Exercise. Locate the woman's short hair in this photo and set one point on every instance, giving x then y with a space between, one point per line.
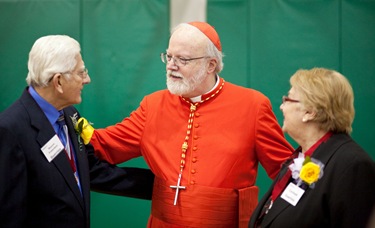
50 55
329 94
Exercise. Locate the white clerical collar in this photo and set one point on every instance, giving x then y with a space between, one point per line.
199 98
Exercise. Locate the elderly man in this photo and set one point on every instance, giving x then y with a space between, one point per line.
45 170
203 137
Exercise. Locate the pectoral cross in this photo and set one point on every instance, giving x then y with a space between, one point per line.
177 187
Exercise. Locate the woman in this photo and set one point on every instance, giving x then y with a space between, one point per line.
329 181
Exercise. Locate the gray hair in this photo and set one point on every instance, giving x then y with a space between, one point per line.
50 55
212 51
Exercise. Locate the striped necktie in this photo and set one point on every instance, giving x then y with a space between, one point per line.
64 137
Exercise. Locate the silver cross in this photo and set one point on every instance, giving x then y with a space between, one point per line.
177 187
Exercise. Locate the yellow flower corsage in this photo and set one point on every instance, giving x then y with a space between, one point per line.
306 170
310 173
84 129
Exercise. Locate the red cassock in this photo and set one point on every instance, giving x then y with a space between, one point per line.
226 135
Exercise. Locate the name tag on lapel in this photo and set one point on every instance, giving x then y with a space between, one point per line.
52 148
292 194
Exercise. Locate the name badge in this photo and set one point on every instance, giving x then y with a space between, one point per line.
52 148
292 194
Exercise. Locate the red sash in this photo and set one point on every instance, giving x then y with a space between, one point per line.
200 206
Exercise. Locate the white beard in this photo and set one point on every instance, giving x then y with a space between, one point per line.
186 85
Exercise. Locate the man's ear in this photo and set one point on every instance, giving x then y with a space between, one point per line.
212 66
57 81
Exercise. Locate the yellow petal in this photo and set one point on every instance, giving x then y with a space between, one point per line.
86 131
310 172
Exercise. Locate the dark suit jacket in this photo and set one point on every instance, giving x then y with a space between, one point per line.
343 197
38 193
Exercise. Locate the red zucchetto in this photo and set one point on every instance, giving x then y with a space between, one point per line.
209 31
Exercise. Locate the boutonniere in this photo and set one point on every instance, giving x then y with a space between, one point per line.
83 129
74 120
306 170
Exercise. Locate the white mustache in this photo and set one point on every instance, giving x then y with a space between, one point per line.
174 74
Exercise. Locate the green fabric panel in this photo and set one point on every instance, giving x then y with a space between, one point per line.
358 65
279 37
229 18
122 41
21 23
286 36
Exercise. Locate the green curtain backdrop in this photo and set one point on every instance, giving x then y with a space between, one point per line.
264 42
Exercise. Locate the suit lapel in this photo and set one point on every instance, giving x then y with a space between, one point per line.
323 153
279 205
80 155
326 150
45 132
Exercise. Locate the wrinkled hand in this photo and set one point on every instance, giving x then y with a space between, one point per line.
84 128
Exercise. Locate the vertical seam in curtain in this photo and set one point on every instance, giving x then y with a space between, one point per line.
80 22
80 38
340 35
